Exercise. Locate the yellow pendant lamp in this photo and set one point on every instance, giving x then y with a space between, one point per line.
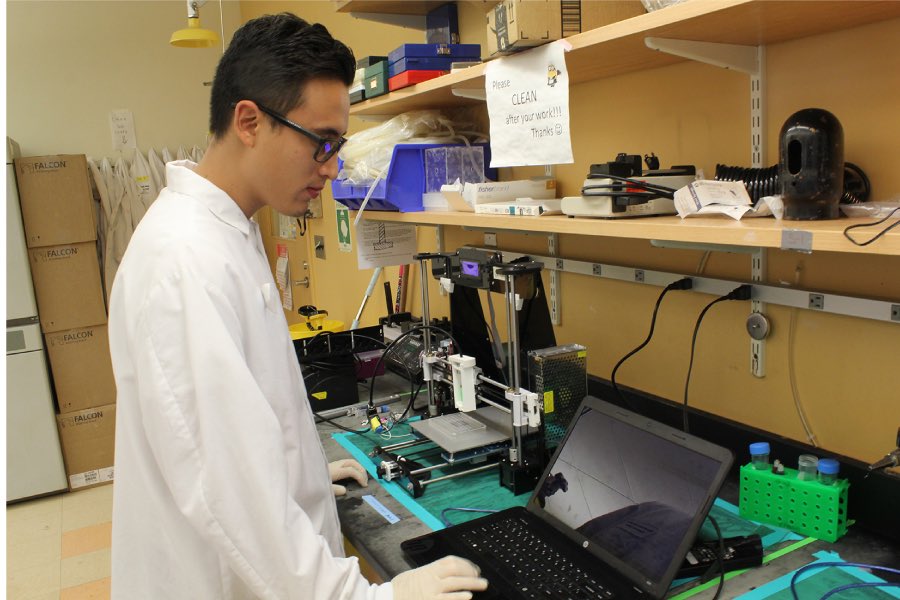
194 36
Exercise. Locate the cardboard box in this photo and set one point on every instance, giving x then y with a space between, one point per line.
514 25
82 369
88 439
376 80
57 205
67 286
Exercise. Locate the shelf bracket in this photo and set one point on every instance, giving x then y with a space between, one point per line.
439 248
747 59
555 303
758 264
728 56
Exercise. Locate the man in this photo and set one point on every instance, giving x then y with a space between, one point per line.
222 487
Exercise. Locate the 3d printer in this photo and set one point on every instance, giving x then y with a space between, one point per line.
479 415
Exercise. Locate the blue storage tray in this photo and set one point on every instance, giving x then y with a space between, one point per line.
402 188
420 63
454 51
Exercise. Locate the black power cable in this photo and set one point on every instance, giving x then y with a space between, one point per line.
394 343
741 292
681 284
880 233
627 186
721 556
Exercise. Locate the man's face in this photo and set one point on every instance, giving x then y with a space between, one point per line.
292 177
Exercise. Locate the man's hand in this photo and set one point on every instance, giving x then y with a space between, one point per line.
449 578
347 469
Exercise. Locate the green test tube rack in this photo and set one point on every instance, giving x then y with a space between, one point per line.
806 507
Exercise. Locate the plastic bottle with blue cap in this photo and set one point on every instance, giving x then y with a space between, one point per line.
759 455
828 470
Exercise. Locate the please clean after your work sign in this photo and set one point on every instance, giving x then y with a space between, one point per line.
528 106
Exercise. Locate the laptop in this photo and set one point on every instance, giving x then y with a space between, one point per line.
613 515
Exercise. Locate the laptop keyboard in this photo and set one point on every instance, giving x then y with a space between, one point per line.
531 565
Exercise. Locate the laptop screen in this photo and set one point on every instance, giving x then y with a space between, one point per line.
633 488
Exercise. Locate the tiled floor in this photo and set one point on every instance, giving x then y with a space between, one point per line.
58 547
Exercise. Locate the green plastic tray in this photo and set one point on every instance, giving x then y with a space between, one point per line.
806 507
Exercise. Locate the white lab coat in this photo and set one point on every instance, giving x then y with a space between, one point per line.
222 489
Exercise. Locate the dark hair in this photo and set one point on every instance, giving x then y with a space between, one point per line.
269 60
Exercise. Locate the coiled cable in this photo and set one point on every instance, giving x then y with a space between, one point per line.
764 181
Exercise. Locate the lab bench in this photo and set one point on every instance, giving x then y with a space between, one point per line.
378 541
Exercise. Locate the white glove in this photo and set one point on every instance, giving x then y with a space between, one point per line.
449 578
346 469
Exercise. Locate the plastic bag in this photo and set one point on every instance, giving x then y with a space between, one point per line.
871 209
367 154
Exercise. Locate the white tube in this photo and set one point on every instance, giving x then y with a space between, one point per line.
368 293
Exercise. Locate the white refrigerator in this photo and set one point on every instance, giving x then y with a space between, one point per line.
34 463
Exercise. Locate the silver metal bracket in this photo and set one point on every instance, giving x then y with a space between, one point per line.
439 245
554 294
746 59
758 264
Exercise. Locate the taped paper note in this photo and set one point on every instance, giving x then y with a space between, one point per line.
528 105
384 244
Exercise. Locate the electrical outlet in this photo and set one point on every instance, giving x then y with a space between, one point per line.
490 239
595 268
817 301
895 312
639 275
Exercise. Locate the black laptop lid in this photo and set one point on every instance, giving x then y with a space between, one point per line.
632 491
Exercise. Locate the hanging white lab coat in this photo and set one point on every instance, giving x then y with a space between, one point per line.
144 186
100 183
157 170
119 224
222 487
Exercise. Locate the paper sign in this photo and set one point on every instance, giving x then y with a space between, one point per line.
345 244
121 124
384 244
528 106
283 277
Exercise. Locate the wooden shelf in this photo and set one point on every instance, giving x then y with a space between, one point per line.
827 236
619 48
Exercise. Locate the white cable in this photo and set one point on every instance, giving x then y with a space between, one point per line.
375 275
791 373
222 25
365 201
703 260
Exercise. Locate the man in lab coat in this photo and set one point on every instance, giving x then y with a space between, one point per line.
222 487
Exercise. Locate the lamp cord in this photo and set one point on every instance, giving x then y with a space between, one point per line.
222 25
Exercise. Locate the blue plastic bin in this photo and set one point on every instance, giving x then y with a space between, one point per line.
402 188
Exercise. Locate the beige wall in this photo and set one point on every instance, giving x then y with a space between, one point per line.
69 63
844 369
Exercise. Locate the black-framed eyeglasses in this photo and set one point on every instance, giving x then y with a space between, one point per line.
325 147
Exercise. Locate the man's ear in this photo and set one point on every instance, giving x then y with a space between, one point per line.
246 122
